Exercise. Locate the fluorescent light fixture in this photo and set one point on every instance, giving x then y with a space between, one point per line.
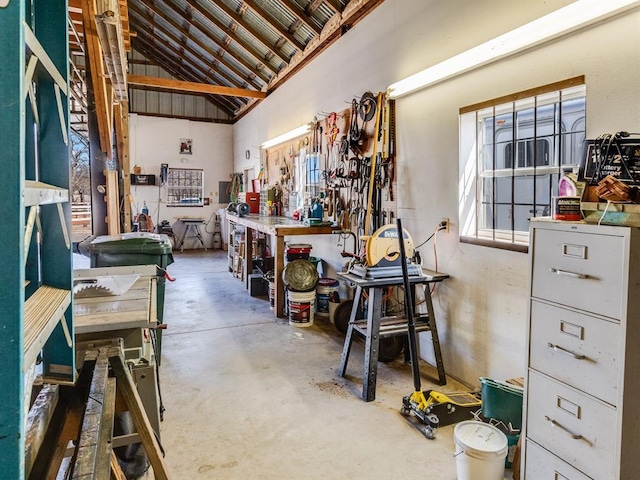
577 15
111 38
296 132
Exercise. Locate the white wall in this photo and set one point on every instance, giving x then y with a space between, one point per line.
155 140
481 310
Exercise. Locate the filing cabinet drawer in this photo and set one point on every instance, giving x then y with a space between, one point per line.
575 348
572 425
585 271
543 465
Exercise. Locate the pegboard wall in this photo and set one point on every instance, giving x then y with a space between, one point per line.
333 163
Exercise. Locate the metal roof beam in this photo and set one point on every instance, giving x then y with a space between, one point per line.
262 13
195 53
193 69
236 17
303 16
174 69
193 25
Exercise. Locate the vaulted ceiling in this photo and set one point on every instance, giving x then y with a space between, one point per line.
251 45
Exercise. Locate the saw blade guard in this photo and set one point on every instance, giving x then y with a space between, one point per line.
383 249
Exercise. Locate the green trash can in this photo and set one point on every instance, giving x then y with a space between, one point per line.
133 249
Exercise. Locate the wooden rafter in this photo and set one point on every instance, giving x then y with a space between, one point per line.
190 74
175 69
264 15
155 26
192 87
173 23
102 93
249 28
302 15
199 73
122 137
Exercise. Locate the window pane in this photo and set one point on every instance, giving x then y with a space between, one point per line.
504 127
504 155
523 189
521 218
546 185
487 157
487 216
503 217
546 120
524 119
572 115
486 190
504 189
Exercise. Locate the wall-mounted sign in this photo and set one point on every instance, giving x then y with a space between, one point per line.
185 146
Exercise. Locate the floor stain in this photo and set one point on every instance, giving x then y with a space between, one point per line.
332 387
205 468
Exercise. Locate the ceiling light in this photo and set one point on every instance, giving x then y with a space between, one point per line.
296 132
111 38
561 22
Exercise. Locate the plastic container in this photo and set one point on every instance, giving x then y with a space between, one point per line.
502 402
481 450
301 308
326 294
139 248
300 276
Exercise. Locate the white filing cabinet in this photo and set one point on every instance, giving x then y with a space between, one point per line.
582 391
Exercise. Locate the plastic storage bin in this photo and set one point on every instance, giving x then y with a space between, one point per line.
502 402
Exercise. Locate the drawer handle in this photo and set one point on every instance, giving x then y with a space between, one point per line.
575 436
575 355
567 273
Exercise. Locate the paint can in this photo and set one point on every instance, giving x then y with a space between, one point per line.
301 308
298 251
326 295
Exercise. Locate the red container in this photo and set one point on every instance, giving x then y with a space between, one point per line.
253 200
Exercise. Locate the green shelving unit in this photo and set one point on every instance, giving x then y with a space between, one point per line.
36 321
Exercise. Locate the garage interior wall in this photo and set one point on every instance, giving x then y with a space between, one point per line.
156 140
481 310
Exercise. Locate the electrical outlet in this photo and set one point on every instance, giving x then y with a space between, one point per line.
444 224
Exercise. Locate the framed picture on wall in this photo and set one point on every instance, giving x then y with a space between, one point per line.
185 146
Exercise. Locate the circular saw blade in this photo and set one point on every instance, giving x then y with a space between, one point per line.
90 291
383 248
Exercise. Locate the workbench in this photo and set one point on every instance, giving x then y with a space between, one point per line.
279 228
377 326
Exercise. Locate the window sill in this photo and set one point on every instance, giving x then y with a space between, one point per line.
485 242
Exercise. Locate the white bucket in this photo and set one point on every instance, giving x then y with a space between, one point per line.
301 308
481 450
326 294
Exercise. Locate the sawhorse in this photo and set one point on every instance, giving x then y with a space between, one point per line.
191 225
375 326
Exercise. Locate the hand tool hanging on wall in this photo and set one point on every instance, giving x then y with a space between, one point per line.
367 228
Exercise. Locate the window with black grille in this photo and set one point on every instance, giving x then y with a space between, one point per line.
185 187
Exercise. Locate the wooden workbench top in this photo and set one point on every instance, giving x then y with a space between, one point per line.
279 226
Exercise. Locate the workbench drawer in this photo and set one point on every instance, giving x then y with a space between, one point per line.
543 465
576 427
580 270
575 348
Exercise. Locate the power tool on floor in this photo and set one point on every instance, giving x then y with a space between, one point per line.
440 409
382 258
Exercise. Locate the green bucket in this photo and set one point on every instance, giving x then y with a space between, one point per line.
502 402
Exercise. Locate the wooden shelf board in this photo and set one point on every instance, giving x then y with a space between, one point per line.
38 193
42 312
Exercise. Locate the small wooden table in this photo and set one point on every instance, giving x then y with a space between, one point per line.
278 227
375 326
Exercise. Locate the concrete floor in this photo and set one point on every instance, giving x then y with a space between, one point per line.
249 396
